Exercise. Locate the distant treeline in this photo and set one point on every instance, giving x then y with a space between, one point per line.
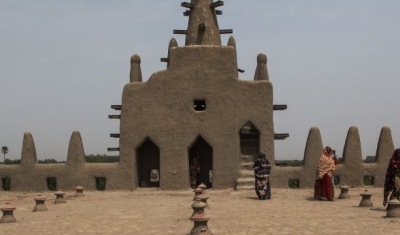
91 158
296 162
289 162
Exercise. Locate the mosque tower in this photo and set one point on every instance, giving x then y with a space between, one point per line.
197 106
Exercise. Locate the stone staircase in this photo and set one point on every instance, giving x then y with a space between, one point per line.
246 174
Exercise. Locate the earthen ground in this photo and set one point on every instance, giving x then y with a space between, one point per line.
153 211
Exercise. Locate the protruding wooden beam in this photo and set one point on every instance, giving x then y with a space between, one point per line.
164 59
218 12
116 107
114 135
186 13
176 31
187 5
225 31
241 71
280 106
114 116
216 4
281 136
112 149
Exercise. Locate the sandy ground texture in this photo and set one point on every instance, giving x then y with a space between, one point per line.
153 211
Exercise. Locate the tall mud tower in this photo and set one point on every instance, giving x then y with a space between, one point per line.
196 108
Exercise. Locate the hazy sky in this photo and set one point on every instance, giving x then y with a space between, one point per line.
335 64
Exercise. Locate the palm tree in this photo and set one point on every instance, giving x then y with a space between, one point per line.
4 150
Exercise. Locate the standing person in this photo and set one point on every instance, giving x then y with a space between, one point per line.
392 172
336 161
262 168
326 168
195 171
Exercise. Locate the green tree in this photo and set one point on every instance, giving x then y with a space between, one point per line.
101 158
47 161
13 162
4 150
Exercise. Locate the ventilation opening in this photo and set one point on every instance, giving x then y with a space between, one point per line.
52 183
6 183
369 180
294 183
100 183
336 180
199 105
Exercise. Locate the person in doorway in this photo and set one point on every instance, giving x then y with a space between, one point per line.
262 168
326 168
392 180
195 171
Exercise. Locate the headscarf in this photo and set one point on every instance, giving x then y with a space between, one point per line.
261 155
393 167
326 165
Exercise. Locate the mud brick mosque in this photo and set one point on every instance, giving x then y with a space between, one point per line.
197 106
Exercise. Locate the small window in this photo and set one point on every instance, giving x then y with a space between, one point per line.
101 183
199 105
369 180
52 183
294 183
6 183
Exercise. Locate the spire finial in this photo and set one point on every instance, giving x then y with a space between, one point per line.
136 71
203 26
261 70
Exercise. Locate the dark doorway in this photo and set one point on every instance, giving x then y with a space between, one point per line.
249 139
200 163
148 164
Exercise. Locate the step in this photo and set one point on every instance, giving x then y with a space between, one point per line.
244 188
245 180
247 159
246 165
244 183
246 173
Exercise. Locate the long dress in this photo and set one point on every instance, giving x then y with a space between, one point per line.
194 171
262 168
323 183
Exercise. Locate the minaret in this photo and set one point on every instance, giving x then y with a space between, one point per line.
203 26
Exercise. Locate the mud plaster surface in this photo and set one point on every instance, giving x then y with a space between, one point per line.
152 211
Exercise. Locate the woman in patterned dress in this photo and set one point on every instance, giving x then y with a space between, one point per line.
262 168
326 168
392 172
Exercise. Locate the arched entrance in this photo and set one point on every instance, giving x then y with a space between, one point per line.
148 164
200 163
249 140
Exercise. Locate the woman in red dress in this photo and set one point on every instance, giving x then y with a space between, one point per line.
326 168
